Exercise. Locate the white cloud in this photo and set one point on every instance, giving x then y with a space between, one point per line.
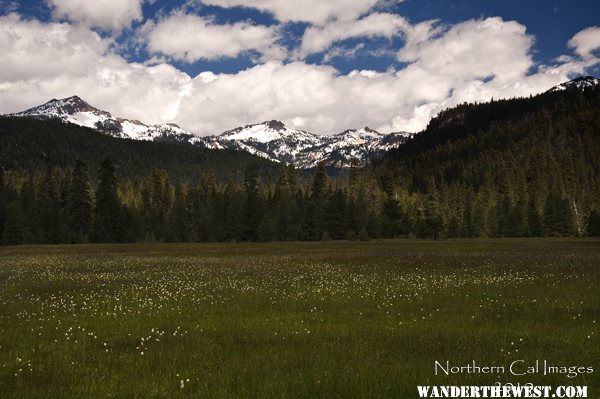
43 61
313 11
104 14
586 41
34 49
190 38
269 91
320 38
471 61
474 49
347 53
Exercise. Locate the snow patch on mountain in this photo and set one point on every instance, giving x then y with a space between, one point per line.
271 139
274 141
580 83
77 111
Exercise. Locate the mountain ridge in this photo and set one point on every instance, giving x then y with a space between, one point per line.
271 140
580 83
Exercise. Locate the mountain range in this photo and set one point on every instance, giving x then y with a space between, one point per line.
271 140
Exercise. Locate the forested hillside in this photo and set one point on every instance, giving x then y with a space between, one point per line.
504 168
32 145
521 167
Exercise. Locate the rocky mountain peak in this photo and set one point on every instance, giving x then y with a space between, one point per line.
275 125
580 83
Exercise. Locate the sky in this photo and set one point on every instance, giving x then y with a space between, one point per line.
321 66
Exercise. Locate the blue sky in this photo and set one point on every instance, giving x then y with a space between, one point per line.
322 66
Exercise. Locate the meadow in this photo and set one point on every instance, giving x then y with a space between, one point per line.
292 320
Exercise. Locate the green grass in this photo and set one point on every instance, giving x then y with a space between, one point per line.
300 320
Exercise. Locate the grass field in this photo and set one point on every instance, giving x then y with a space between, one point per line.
300 320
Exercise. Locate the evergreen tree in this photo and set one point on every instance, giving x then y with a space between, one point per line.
468 224
179 228
320 182
108 217
79 208
363 235
433 216
232 225
3 195
252 205
16 231
266 228
284 202
159 202
593 224
52 216
391 210
333 217
558 217
535 226
313 222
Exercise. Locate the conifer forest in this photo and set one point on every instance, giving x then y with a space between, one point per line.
525 167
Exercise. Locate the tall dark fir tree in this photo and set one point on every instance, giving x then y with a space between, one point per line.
79 206
108 216
252 205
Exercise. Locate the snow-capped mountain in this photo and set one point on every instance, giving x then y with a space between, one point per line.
271 140
77 111
274 141
580 83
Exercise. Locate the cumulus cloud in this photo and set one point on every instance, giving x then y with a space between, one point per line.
269 91
190 38
313 11
34 49
104 14
43 61
319 38
471 61
446 65
474 49
586 41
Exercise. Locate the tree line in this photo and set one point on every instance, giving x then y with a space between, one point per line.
63 206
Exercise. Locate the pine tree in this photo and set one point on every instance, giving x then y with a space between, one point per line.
363 235
16 231
593 224
313 224
108 223
179 228
159 202
333 217
231 216
320 182
391 209
79 207
30 209
53 218
252 205
267 228
3 195
433 216
286 218
535 227
468 224
559 219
